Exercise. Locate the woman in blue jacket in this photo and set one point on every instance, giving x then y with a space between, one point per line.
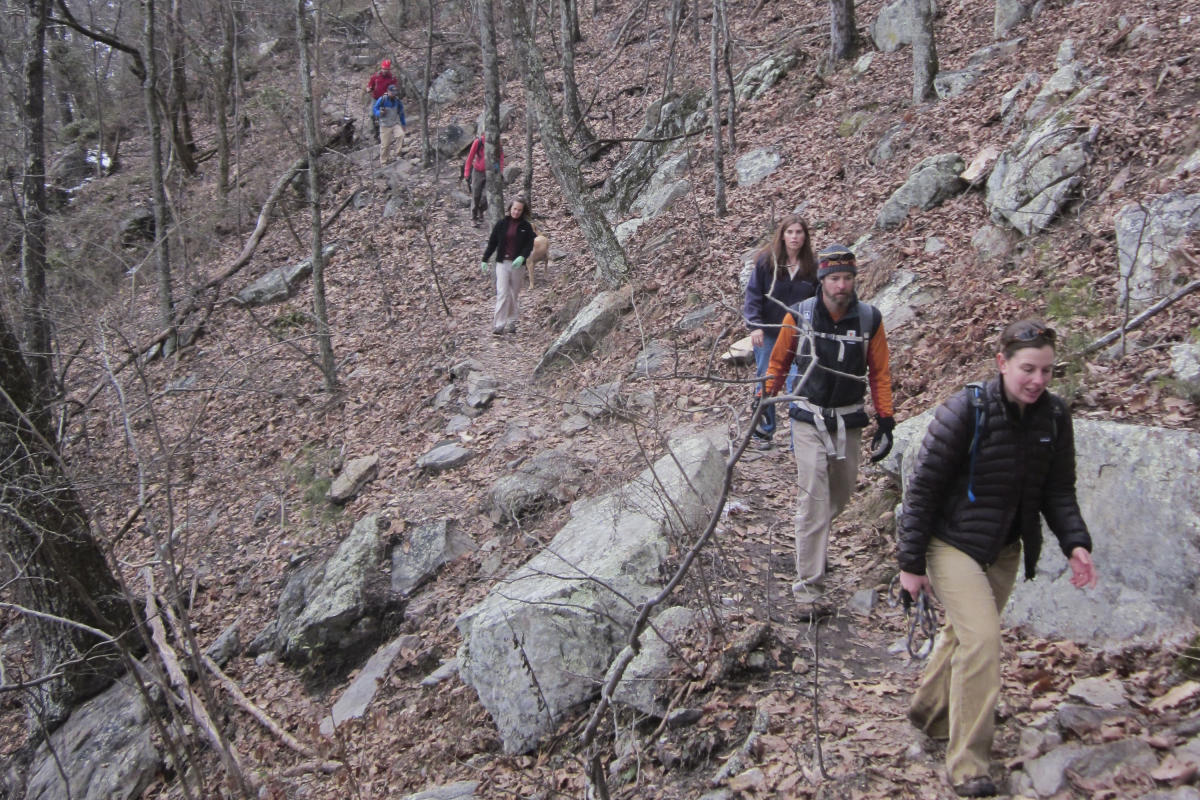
785 272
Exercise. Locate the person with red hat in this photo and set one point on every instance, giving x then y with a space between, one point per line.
377 86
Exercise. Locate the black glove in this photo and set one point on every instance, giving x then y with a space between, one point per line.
881 442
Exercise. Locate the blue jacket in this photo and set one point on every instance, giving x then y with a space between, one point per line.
389 111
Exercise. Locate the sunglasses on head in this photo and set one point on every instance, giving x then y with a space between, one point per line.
1031 331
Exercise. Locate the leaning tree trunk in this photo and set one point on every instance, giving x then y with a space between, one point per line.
611 264
491 109
222 96
426 144
925 59
33 195
843 35
568 34
57 576
324 340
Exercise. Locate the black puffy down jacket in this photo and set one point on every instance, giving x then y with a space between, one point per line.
1024 465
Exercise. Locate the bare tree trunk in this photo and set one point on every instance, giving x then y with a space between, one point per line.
177 108
324 340
33 195
714 58
491 108
611 264
158 193
843 35
426 144
61 576
925 58
569 34
674 19
727 55
222 96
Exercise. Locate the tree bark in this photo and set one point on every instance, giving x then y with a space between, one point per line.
33 195
324 340
177 108
222 96
61 574
925 58
569 34
714 58
611 264
843 35
426 144
158 192
491 108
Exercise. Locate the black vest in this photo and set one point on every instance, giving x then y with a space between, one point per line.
846 353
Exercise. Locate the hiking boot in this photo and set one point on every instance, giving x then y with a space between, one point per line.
760 443
498 331
510 328
807 593
982 786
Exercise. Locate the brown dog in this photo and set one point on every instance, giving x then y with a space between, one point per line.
541 251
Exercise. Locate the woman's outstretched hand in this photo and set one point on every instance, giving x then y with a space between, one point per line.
1083 571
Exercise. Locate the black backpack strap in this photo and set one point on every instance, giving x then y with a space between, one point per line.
978 405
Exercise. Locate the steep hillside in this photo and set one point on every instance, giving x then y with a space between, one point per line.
229 447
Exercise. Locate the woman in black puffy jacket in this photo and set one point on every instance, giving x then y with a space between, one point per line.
994 458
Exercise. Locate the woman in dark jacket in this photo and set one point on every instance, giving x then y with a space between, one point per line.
785 272
511 241
992 460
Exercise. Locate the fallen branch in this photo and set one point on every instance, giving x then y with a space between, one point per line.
1141 318
264 719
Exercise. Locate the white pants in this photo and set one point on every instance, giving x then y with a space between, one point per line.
509 283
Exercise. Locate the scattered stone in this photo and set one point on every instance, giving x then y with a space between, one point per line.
547 480
280 284
1099 692
655 359
453 139
457 424
952 83
264 508
463 790
427 549
758 78
684 717
450 84
357 473
885 149
757 164
575 424
697 318
1047 775
991 243
863 601
740 352
1008 15
596 402
444 457
105 748
934 244
1035 742
1082 720
935 180
899 300
361 692
443 397
996 50
227 644
1008 101
139 226
445 672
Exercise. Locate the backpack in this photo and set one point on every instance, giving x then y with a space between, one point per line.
979 415
806 307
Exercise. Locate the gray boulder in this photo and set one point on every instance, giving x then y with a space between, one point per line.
666 185
892 28
138 226
337 608
600 401
664 120
539 644
758 78
462 790
1140 495
1148 234
655 359
991 243
1046 776
452 141
359 694
952 83
900 298
428 548
589 327
1185 363
697 318
1008 15
507 112
70 168
546 481
357 473
1036 175
757 164
935 180
444 457
997 50
647 682
281 283
105 748
447 86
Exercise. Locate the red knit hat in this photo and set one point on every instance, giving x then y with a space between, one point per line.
386 63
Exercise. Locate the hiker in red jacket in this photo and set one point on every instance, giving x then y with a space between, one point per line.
475 173
377 85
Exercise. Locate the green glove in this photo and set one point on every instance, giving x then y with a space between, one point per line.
518 262
483 265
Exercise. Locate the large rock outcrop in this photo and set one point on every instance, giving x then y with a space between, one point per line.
1148 234
1140 494
931 183
541 642
590 326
